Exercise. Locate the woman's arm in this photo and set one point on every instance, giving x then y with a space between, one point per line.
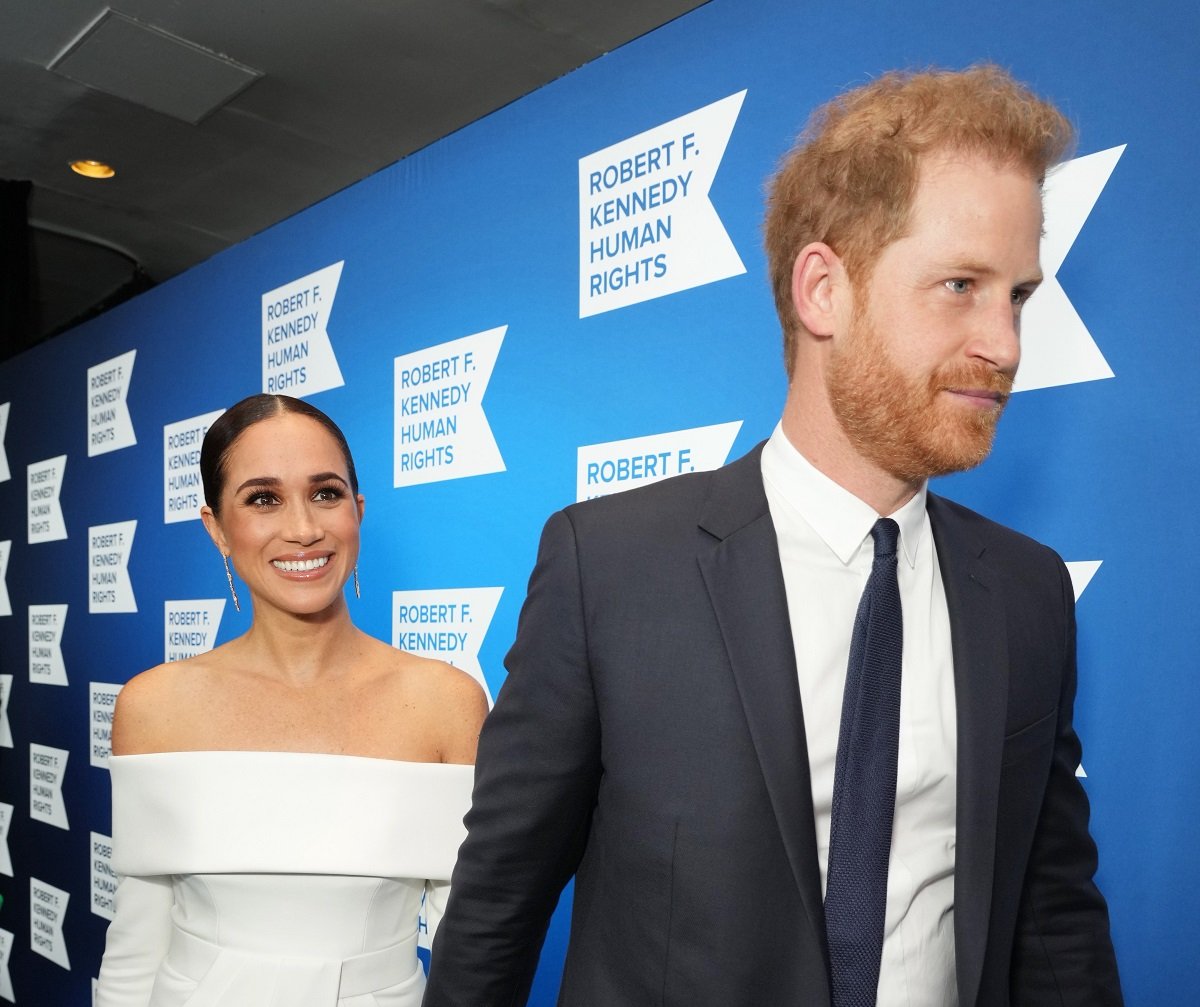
137 942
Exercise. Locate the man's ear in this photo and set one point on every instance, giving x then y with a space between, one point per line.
213 526
818 277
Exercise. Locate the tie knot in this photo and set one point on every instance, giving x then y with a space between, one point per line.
886 534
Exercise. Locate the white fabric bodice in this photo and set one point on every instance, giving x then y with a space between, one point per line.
329 916
286 812
280 879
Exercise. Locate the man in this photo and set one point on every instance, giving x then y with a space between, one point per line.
790 759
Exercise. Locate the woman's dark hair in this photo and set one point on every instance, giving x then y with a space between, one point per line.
237 419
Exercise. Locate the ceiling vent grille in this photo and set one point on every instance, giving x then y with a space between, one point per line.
152 68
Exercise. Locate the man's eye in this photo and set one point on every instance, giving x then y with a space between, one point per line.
959 286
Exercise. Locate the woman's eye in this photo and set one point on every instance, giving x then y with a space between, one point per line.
260 499
958 286
328 494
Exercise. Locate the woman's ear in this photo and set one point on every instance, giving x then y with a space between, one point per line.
212 525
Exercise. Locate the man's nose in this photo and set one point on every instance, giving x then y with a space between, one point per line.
998 339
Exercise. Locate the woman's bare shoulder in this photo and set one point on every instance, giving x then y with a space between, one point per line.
155 705
452 703
440 680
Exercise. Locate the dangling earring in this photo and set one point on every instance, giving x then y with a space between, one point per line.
229 577
357 589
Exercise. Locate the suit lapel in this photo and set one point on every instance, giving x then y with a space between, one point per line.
979 643
740 566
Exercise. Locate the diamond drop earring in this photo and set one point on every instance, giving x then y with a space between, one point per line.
229 577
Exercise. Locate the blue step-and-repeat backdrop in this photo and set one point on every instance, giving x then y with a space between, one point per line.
566 299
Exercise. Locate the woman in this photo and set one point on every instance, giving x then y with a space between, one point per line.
279 802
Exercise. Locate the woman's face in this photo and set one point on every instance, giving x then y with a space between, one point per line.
288 520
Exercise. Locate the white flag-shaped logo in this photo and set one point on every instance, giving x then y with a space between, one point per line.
1056 347
646 225
298 358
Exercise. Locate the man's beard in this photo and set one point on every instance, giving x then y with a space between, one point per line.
906 425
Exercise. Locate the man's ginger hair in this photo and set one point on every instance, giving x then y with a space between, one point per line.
851 178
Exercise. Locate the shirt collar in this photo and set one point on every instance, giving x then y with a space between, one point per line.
839 518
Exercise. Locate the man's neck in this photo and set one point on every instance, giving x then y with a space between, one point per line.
813 431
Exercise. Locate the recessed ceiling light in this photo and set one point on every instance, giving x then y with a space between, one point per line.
92 169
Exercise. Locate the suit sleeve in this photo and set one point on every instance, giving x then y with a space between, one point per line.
536 779
1063 952
136 943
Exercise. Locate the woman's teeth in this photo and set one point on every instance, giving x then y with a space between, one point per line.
297 566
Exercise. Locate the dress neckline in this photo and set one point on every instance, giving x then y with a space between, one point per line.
251 753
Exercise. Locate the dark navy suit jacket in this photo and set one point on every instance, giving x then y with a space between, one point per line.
649 740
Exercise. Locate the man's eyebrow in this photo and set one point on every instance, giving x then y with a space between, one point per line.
964 264
977 268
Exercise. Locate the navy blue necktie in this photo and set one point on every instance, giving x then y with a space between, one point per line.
864 783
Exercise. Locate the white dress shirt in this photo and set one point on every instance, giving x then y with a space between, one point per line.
827 551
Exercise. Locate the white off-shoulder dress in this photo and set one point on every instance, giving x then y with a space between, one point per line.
277 879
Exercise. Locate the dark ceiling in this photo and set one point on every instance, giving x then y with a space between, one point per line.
222 117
